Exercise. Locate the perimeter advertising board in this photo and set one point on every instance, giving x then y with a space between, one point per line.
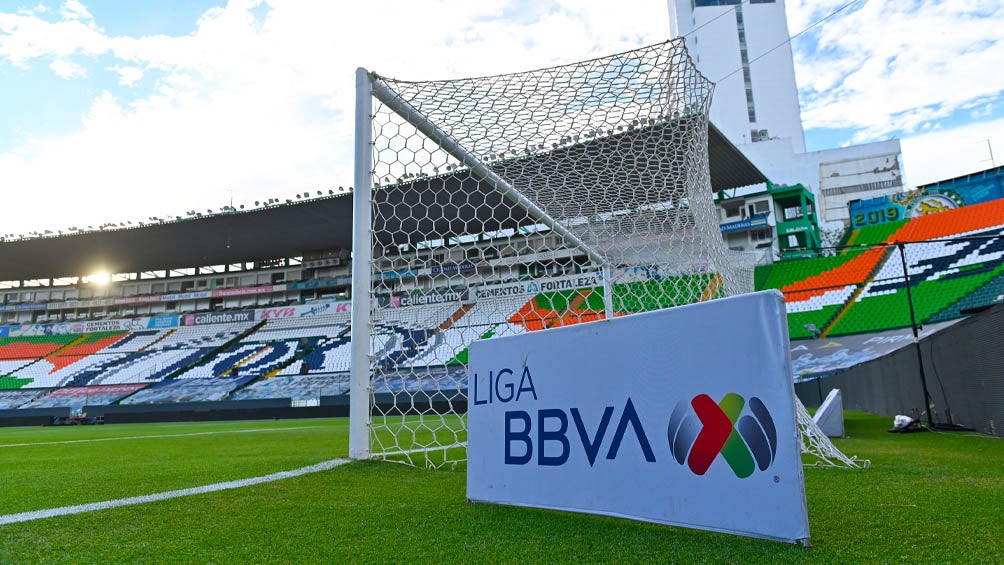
682 416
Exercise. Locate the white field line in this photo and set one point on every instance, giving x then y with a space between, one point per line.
156 436
95 506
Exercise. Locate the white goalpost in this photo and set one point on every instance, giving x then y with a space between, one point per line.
507 204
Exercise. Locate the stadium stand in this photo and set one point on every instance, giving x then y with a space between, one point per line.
307 354
475 323
208 336
331 356
296 387
144 366
10 399
873 235
955 260
187 390
402 334
440 379
83 396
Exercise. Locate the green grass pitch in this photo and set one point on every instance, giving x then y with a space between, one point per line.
929 497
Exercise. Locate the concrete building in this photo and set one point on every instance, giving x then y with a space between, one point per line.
780 220
743 47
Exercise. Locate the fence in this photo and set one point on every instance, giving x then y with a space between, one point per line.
957 373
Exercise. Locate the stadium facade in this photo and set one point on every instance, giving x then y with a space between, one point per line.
263 325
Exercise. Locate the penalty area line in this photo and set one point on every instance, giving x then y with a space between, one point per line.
133 500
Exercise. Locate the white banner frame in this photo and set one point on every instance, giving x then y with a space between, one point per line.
624 418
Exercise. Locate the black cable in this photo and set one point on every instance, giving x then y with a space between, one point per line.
941 384
729 11
791 37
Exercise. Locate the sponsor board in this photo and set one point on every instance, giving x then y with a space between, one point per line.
316 309
454 268
659 272
135 299
585 280
945 195
625 418
756 221
326 283
244 291
431 297
393 275
105 325
23 307
186 296
60 328
217 318
162 322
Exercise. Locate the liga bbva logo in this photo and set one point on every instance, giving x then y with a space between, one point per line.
701 429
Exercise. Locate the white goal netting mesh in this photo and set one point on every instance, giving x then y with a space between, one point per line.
818 450
513 203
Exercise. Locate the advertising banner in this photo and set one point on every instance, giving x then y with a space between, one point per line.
323 283
217 318
519 288
430 297
243 291
59 328
454 268
168 321
627 417
185 296
105 325
314 309
760 220
938 197
23 307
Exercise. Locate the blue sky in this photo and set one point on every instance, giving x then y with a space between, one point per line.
119 110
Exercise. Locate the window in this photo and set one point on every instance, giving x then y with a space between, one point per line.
793 213
761 207
758 236
732 210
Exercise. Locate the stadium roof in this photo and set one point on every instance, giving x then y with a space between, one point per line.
287 230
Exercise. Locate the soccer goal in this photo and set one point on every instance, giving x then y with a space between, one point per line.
499 205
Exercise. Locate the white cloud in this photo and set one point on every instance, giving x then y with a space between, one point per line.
945 154
883 67
67 69
24 37
128 75
74 10
264 107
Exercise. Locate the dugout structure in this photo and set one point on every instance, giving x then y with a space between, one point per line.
515 203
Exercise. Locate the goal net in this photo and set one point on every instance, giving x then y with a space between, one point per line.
499 205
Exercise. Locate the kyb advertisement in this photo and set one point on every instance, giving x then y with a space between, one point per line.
669 417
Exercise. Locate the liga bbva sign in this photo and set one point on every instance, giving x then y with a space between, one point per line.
682 416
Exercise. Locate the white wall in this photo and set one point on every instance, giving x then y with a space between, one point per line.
715 49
